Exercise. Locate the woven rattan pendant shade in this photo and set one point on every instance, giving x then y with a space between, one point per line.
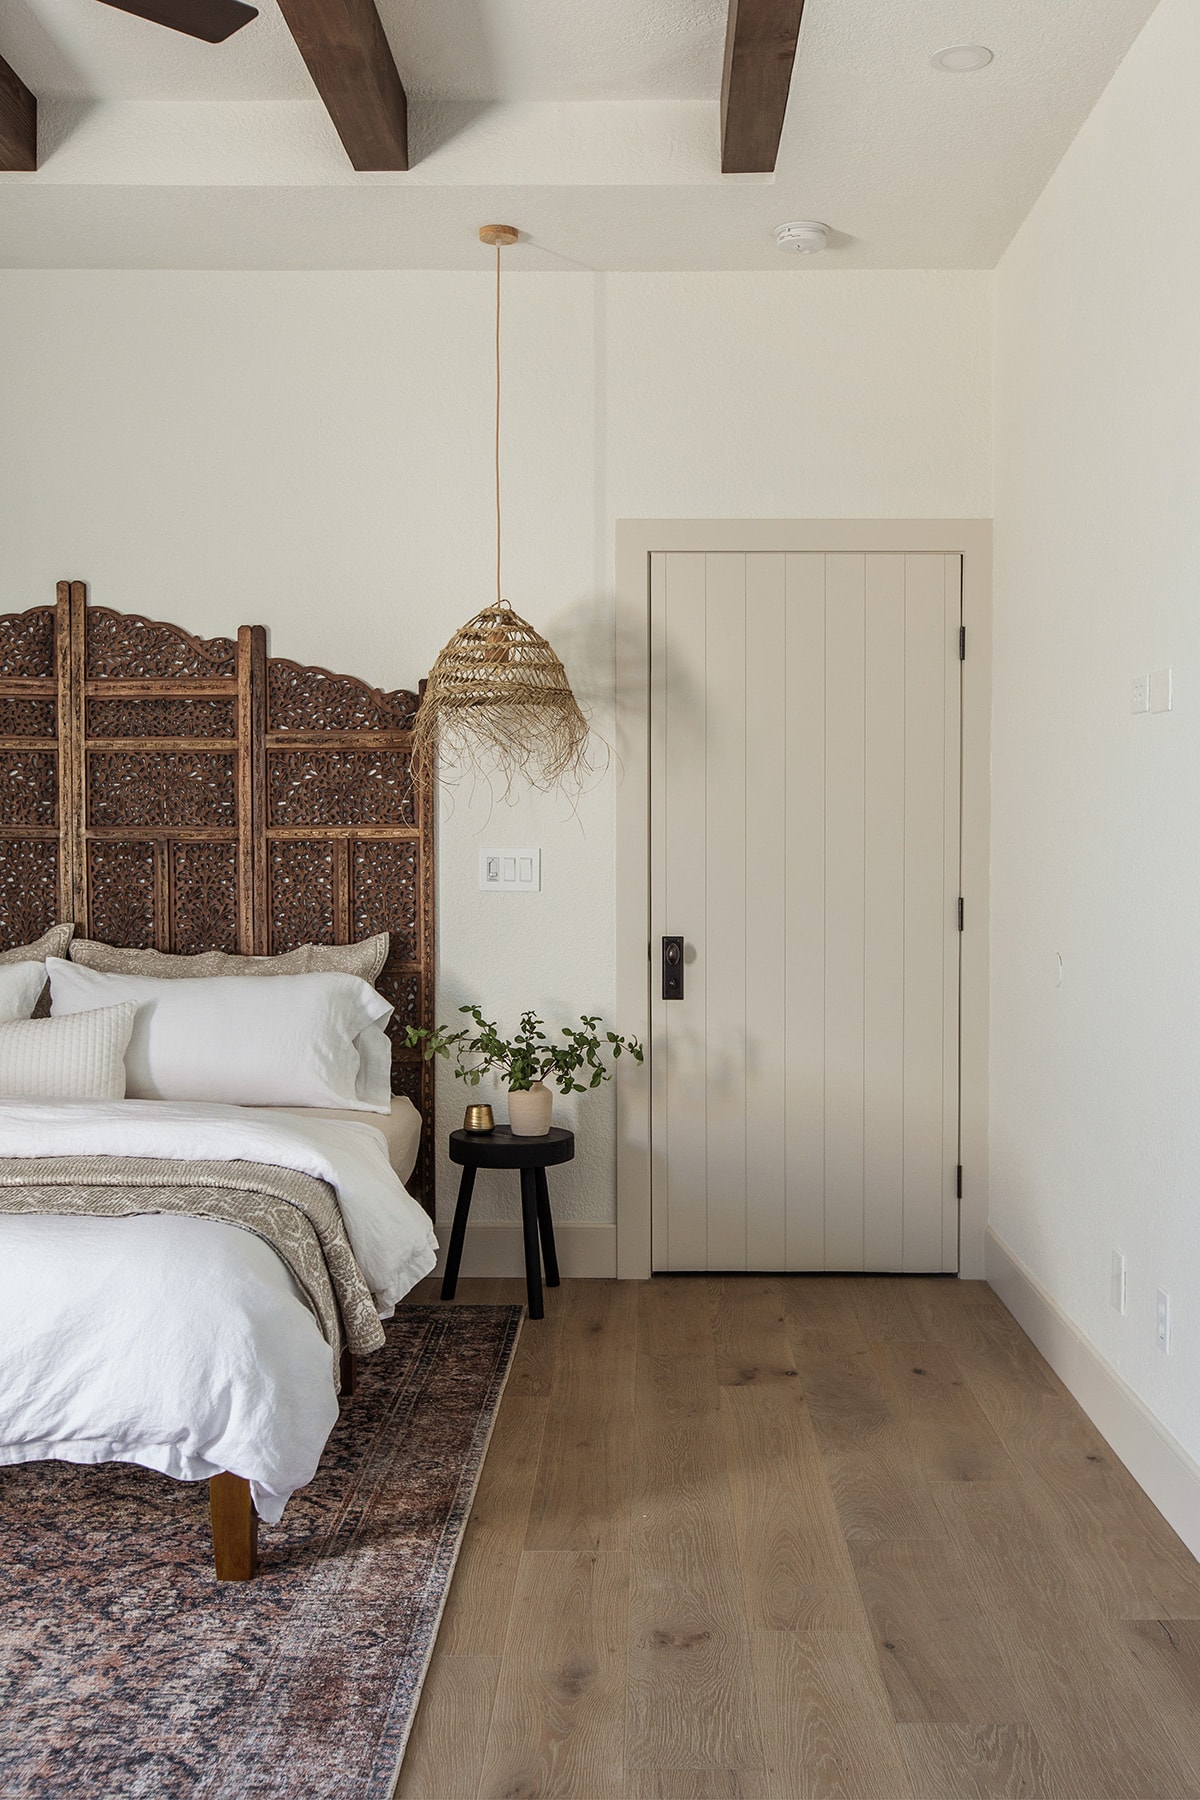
498 699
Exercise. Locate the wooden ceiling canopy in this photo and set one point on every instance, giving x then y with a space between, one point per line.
760 49
351 63
164 791
18 124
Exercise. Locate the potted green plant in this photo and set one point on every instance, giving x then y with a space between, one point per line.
579 1058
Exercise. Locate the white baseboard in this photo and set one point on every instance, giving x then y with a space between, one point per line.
585 1252
1156 1460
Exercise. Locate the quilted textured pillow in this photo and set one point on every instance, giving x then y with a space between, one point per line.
80 1057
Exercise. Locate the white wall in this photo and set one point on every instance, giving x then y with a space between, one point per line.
1095 1126
811 396
312 452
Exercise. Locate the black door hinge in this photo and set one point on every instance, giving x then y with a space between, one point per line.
958 1182
960 912
962 643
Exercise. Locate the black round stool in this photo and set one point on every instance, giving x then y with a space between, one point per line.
502 1149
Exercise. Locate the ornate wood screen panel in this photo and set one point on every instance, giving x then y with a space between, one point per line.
348 835
35 890
163 803
178 793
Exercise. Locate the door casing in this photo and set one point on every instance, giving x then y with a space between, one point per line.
637 540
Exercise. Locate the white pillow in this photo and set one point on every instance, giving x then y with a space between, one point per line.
80 1058
20 985
374 1083
291 1041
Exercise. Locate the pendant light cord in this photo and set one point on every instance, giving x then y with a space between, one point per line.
497 424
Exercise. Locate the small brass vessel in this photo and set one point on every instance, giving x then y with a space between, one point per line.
479 1119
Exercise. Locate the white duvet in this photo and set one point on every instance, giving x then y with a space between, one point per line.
185 1344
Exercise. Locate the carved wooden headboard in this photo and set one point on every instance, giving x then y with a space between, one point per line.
165 791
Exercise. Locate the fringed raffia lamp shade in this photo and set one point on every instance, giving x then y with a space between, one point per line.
498 699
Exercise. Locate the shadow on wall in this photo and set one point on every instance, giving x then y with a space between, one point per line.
582 635
1028 1200
448 64
689 702
434 122
58 121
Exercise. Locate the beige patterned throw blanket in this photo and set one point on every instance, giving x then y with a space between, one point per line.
296 1214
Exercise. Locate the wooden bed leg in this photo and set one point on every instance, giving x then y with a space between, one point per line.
234 1527
349 1369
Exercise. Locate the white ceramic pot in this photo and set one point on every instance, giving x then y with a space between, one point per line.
529 1110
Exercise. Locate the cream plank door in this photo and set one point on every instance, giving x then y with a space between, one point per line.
804 839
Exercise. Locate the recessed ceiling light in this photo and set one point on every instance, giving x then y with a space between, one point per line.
960 59
808 236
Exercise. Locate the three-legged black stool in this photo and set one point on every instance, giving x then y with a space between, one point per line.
501 1149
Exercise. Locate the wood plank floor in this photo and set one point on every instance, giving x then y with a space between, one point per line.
803 1538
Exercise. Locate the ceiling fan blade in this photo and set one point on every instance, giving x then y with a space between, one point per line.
211 20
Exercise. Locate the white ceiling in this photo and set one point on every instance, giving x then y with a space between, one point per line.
80 50
592 125
462 49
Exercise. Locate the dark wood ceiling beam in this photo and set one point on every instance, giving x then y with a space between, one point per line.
351 64
18 124
760 48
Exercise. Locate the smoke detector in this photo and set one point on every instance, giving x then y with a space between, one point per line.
806 236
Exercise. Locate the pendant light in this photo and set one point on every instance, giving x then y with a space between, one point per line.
498 698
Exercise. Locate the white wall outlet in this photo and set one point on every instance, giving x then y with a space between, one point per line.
1140 695
511 871
1118 1291
1162 1321
1160 691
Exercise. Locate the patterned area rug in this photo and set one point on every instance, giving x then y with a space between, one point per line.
127 1669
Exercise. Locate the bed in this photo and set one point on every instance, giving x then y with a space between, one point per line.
166 793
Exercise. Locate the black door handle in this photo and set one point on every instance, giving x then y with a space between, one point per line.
672 968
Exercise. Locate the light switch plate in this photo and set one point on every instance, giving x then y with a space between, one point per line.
511 871
1118 1290
1140 697
1162 1321
1160 691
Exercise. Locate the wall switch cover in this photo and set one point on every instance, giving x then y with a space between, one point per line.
1117 1294
1160 691
1140 697
511 871
1162 1321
